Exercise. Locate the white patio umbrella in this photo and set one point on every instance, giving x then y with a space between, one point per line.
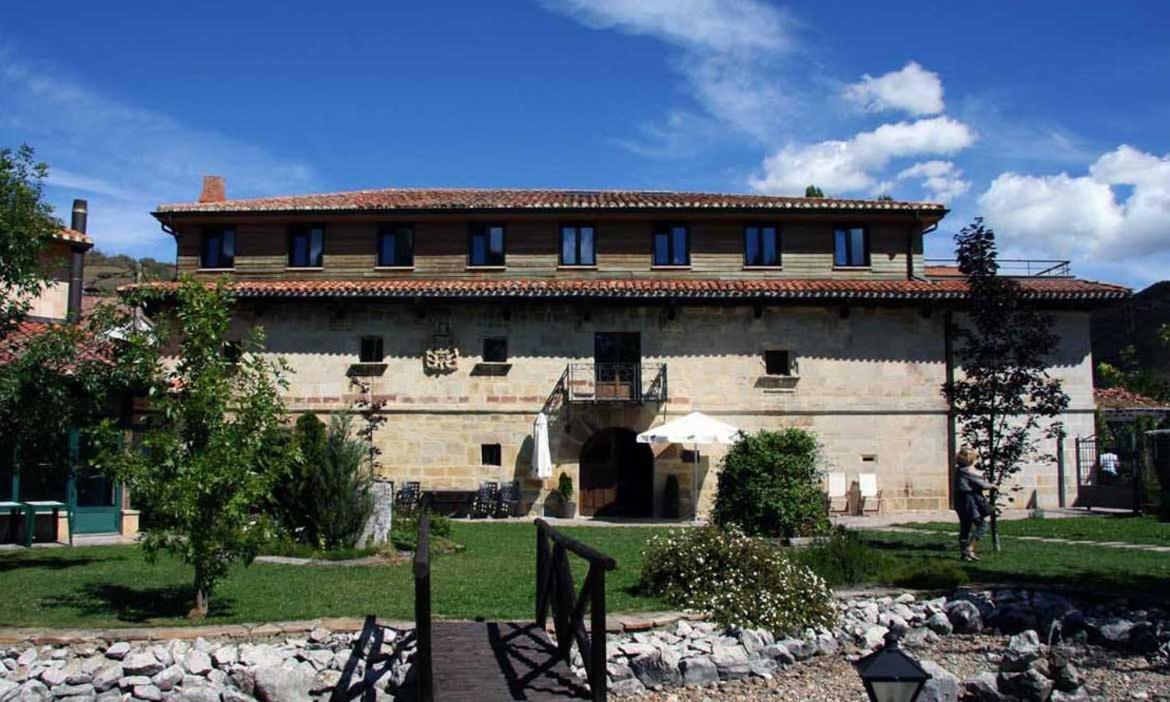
541 456
695 428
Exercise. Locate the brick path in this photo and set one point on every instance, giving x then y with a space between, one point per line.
498 661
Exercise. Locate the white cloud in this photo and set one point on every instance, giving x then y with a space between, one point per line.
1087 216
943 180
850 166
728 51
911 89
126 159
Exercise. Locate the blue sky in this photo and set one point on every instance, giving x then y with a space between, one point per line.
1052 119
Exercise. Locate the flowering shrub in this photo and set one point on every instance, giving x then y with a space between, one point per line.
739 581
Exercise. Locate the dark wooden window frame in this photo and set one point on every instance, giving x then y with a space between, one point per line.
375 353
779 238
778 357
491 454
503 340
226 260
484 229
668 229
306 230
849 244
577 226
393 229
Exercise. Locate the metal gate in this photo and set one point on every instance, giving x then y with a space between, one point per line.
1109 473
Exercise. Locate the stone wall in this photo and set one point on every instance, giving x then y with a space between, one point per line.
867 383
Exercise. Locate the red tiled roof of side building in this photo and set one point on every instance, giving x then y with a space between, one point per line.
12 345
73 236
1121 398
1069 289
513 199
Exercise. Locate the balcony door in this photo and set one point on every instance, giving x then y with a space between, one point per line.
617 360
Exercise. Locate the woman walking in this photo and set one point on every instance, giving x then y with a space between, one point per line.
970 503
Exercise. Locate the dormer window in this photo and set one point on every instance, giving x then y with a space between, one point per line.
850 246
578 245
306 246
218 247
395 246
761 245
672 245
485 245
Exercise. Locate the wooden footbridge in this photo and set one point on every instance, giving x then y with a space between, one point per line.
488 661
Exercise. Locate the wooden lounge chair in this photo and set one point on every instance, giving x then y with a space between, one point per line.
838 493
485 499
871 497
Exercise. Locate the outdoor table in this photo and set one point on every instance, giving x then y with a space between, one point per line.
451 502
14 511
34 507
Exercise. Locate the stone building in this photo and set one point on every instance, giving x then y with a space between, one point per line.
468 312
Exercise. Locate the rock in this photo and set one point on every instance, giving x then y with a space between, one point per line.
325 681
226 655
118 650
618 671
319 635
30 691
699 670
286 682
982 687
1112 634
826 644
657 668
6 687
762 667
751 640
779 654
151 693
206 693
732 662
800 649
634 649
1079 696
53 676
874 637
93 664
260 656
964 616
197 662
233 695
27 657
629 686
168 678
943 685
1143 638
142 663
1068 678
133 681
107 678
73 690
322 658
1023 650
1029 686
940 624
1014 618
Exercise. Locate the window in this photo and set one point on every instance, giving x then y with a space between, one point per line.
306 246
777 362
371 349
672 245
490 455
850 246
485 246
761 245
495 349
396 245
578 245
218 248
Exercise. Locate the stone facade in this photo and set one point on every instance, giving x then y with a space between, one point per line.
866 381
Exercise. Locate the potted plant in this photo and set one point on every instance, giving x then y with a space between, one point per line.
567 496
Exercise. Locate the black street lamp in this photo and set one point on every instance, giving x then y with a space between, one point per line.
890 674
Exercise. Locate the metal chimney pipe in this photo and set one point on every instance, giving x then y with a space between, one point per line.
80 216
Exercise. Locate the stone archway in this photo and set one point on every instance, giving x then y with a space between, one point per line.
617 475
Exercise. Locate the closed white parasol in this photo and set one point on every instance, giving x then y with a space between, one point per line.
541 457
695 428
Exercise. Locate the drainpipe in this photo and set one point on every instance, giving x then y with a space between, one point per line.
952 432
77 262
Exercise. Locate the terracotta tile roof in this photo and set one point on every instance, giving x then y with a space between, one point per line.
74 236
485 199
662 288
1122 399
12 345
943 272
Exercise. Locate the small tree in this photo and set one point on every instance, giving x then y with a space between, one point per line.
769 485
26 225
813 191
215 445
1004 392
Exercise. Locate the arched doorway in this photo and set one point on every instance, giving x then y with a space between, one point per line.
617 475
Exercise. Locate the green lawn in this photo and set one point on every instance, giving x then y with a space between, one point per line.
1123 527
1075 566
102 586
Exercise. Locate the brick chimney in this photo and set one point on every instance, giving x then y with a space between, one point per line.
214 189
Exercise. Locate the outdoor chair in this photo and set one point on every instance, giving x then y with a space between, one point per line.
409 495
871 497
508 500
485 499
838 493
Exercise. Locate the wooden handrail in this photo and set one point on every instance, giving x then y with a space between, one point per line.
554 592
422 607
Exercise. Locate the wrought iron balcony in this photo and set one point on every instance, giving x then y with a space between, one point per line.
615 382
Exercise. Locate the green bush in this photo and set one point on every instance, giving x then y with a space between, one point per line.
769 485
328 497
670 500
739 581
565 488
404 529
844 559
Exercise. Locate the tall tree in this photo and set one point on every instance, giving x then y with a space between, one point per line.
216 444
26 224
813 191
1004 398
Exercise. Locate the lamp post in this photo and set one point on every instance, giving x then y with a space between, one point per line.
890 674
